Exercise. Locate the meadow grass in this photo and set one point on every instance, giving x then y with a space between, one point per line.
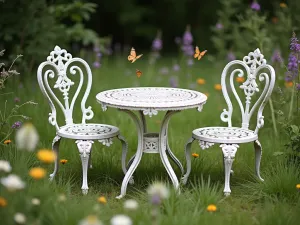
274 201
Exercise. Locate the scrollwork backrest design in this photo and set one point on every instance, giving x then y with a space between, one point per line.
252 66
59 63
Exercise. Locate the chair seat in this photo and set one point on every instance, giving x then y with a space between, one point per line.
224 135
89 131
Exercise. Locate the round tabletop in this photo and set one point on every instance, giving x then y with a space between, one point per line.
155 98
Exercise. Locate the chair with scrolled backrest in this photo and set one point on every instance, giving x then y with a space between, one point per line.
230 137
58 64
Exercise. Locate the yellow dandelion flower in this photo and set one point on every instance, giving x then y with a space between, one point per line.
218 87
37 173
46 155
102 200
289 84
240 79
200 81
7 142
3 202
211 208
282 5
195 155
63 161
298 186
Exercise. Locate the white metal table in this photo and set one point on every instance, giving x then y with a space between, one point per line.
148 101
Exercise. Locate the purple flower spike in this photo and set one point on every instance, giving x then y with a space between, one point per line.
96 49
97 64
298 87
187 36
176 67
157 44
190 62
230 56
155 200
276 57
16 125
255 6
294 45
219 26
99 54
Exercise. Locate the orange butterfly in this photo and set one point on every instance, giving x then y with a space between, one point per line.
138 73
132 57
199 54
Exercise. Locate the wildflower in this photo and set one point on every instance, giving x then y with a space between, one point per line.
276 57
20 218
218 87
102 200
5 166
298 87
99 54
190 62
176 67
294 45
96 64
7 142
164 70
195 155
61 198
35 201
63 161
157 42
240 79
16 125
211 208
282 5
298 186
27 137
17 99
46 156
187 36
3 202
289 84
37 173
173 82
96 49
12 182
121 220
219 26
255 6
157 192
230 56
200 81
90 220
131 204
188 50
292 65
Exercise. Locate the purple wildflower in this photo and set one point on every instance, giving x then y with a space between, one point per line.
97 64
164 70
99 54
255 6
17 99
187 36
293 64
276 57
176 67
173 82
219 26
190 62
177 40
298 87
294 45
188 50
16 125
96 49
155 200
230 56
157 44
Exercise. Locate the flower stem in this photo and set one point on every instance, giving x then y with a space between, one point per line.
273 117
292 101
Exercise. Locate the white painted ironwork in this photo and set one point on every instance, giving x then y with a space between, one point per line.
58 66
148 101
252 67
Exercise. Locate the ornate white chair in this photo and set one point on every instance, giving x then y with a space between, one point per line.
230 137
56 67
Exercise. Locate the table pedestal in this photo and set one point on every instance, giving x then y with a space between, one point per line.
151 143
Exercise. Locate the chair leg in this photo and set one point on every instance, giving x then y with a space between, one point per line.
258 153
90 166
229 151
84 148
188 160
55 148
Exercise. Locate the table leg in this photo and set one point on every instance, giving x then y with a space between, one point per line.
138 154
163 137
174 158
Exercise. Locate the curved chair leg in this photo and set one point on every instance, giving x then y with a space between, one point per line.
231 171
258 153
188 160
229 151
55 148
84 148
90 166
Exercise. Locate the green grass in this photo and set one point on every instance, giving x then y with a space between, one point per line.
275 201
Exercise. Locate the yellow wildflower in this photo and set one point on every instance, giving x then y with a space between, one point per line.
195 155
218 87
63 161
7 142
298 186
3 202
200 81
102 200
211 208
289 84
46 156
37 173
282 5
240 79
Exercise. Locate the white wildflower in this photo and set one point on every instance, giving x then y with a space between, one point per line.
90 220
158 189
27 137
121 220
35 201
5 166
12 182
20 218
131 204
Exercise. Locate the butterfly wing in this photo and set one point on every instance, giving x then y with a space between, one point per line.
132 55
197 52
201 54
139 56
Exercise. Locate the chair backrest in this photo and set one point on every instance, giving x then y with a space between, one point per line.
58 64
254 65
